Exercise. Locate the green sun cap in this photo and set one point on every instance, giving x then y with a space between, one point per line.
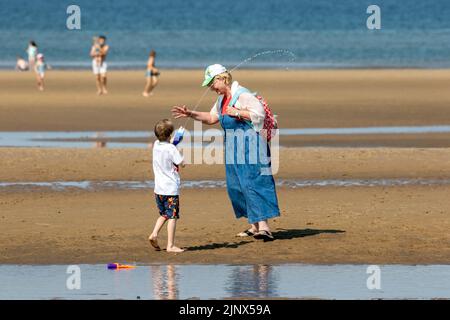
212 71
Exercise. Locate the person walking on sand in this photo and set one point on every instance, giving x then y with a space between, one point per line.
32 52
166 162
151 75
39 69
99 52
252 193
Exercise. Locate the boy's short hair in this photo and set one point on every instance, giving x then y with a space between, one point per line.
163 129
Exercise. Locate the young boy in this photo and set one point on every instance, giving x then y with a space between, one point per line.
166 160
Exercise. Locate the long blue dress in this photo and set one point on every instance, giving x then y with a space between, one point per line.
250 187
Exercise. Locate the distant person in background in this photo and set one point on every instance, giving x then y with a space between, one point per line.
21 64
151 75
32 52
39 69
99 51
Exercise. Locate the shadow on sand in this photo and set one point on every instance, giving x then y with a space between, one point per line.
280 234
285 234
218 245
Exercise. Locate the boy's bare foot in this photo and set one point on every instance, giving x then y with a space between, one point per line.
175 249
99 92
145 94
154 243
105 91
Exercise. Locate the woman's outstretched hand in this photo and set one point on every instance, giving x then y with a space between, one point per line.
181 112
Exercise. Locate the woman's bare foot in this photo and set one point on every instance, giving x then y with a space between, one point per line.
175 249
105 91
99 92
145 94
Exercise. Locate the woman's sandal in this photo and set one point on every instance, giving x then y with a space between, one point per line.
246 233
264 235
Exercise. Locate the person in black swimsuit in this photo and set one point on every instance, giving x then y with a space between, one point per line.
151 75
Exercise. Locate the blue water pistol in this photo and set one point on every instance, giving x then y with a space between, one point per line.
178 136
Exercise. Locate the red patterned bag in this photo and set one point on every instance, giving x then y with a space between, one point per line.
270 126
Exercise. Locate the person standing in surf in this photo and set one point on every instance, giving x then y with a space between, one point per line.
252 192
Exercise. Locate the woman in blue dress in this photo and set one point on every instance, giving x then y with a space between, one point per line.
250 184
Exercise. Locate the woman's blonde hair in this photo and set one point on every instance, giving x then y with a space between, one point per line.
226 76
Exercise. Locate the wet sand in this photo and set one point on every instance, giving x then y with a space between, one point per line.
301 98
407 224
42 164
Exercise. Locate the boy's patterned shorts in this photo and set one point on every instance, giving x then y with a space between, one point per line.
168 206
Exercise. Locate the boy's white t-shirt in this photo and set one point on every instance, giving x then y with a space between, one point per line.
167 179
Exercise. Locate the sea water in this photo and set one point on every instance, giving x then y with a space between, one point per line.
193 34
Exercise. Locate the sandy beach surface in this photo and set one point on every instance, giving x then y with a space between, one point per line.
378 225
401 224
326 225
301 98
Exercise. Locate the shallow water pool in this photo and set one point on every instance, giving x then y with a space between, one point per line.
140 139
208 184
225 281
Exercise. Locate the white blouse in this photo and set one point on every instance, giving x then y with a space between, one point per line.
247 102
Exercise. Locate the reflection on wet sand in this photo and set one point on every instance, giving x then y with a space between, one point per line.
257 281
284 281
165 285
99 143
